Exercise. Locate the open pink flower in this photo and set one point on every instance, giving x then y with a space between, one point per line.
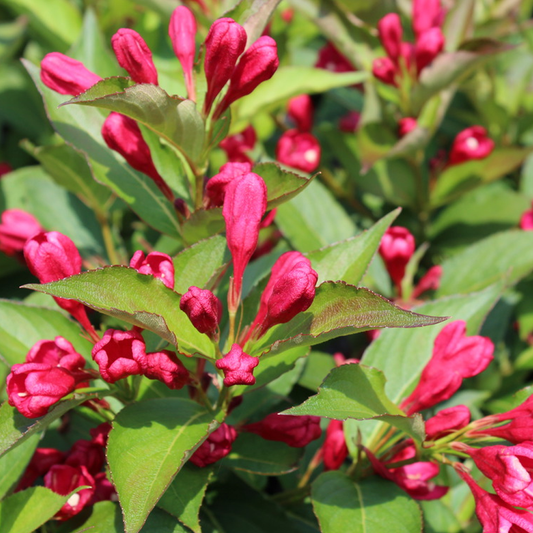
471 143
299 150
157 264
329 58
238 367
237 145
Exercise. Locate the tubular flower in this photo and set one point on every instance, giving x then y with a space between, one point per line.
167 368
182 31
203 308
396 248
16 228
471 143
390 34
428 47
447 421
215 447
237 145
299 150
157 264
215 189
237 367
334 449
427 14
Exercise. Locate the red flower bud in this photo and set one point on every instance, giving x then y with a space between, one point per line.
157 264
237 145
257 64
447 421
120 354
66 75
42 460
167 368
215 189
427 14
396 248
455 357
238 367
296 431
334 450
100 433
350 122
244 206
430 281
471 143
134 56
103 489
385 70
16 228
519 430
405 125
298 150
224 43
329 58
526 221
88 454
123 135
63 479
5 168
390 34
203 308
428 47
34 387
182 31
300 110
215 447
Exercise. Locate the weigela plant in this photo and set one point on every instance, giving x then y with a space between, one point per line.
217 198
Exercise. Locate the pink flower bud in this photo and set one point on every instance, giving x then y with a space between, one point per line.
385 70
526 221
63 479
167 368
300 111
494 514
517 431
396 248
296 431
428 47
455 357
405 125
430 281
100 433
350 122
157 264
182 31
203 308
237 145
88 454
34 387
471 143
244 206
103 489
298 150
334 449
16 228
120 354
5 168
66 75
42 460
427 14
257 64
123 135
224 43
447 421
215 190
134 56
215 447
390 34
329 58
238 367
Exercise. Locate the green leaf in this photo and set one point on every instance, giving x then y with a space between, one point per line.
203 224
22 325
337 310
253 16
16 428
256 455
358 391
289 81
162 522
458 179
105 518
185 495
507 254
109 168
25 511
198 264
149 443
314 219
371 506
13 464
348 260
139 299
175 120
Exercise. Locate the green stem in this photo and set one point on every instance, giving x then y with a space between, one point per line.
108 238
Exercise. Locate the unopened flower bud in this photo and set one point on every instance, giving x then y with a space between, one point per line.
237 367
66 75
300 110
298 150
224 43
237 145
390 34
88 454
334 449
350 122
405 125
396 248
526 221
167 368
157 264
215 447
215 189
447 421
428 47
134 56
471 143
384 70
329 58
182 31
203 308
427 14
16 228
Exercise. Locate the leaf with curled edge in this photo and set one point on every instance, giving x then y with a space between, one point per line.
139 299
338 309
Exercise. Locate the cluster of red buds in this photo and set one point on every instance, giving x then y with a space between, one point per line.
404 59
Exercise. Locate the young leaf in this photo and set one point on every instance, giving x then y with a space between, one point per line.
149 443
371 506
138 299
358 391
338 309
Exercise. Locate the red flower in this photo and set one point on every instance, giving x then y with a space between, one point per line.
385 70
350 122
471 143
215 447
428 46
156 264
334 449
215 189
16 228
167 368
447 421
396 248
405 125
329 58
42 460
66 75
120 354
296 431
300 110
526 221
430 281
34 387
390 34
298 150
238 367
237 145
427 14
88 454
203 308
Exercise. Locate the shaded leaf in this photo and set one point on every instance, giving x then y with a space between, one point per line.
13 464
105 518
